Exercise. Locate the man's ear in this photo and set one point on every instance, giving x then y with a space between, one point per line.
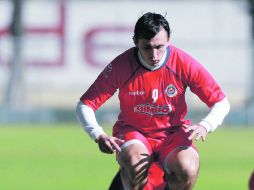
168 41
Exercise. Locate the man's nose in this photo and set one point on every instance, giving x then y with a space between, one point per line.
154 53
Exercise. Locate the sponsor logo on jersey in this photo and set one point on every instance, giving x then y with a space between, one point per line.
107 70
151 110
171 91
137 93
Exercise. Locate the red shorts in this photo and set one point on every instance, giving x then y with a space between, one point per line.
160 149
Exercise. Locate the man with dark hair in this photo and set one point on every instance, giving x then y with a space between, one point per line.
152 79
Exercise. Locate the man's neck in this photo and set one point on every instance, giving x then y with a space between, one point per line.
151 67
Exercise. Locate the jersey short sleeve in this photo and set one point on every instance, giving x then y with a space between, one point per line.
101 90
199 79
110 79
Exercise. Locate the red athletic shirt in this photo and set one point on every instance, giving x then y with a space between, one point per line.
152 101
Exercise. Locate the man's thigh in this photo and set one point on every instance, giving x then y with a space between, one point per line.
175 142
134 158
133 137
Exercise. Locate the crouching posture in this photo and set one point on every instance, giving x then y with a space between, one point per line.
151 79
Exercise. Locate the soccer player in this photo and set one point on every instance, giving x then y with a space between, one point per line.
152 79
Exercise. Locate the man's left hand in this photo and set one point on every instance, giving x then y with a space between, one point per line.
196 130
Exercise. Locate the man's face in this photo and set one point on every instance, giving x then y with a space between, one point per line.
153 50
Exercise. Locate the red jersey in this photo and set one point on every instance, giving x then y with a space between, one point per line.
152 101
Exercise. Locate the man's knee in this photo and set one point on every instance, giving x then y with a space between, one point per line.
135 161
182 169
133 156
189 166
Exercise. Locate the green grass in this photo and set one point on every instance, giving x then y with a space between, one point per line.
62 157
227 159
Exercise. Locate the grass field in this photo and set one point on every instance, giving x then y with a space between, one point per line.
62 157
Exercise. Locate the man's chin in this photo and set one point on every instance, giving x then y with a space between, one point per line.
154 63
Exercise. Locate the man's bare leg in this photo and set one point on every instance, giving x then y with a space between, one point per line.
134 161
182 166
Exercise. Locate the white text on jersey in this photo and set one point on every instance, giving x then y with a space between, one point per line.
137 93
151 110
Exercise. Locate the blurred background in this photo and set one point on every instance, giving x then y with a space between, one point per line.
52 50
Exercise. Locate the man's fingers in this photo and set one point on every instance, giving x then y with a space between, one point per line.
198 136
110 144
116 143
201 135
106 147
195 131
192 135
188 127
203 138
119 141
115 146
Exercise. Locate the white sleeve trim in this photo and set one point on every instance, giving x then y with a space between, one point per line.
216 115
88 120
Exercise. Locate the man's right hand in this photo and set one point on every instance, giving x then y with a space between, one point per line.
108 144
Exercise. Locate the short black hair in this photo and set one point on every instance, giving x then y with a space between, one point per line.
148 25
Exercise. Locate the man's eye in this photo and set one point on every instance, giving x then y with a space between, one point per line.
158 47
